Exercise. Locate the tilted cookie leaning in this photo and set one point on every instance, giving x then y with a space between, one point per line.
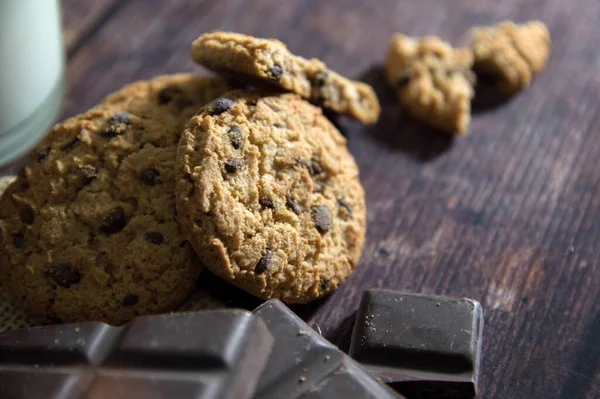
271 61
270 197
88 229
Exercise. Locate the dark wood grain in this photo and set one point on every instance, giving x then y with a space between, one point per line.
509 216
82 18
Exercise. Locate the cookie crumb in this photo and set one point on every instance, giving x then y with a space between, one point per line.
433 81
511 53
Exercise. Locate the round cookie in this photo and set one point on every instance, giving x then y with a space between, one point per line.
269 196
88 230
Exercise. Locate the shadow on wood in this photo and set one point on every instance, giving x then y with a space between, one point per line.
487 96
397 130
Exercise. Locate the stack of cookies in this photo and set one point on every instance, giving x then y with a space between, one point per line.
120 209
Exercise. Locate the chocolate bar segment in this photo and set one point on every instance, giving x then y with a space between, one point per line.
305 365
213 354
424 346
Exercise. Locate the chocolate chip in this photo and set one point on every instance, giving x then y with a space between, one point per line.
232 165
346 206
323 284
26 216
276 72
130 300
70 145
148 176
322 218
292 205
85 175
220 106
43 154
62 275
236 137
318 188
319 79
18 240
315 168
403 80
114 221
266 203
116 124
154 237
263 263
120 117
167 94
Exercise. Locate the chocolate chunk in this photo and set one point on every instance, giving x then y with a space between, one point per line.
164 356
85 175
319 79
232 165
315 168
154 237
70 145
220 106
323 284
26 216
345 206
276 72
236 137
292 205
305 365
425 346
403 80
18 240
322 218
116 124
168 94
120 117
62 275
114 221
43 154
148 176
263 263
266 203
130 300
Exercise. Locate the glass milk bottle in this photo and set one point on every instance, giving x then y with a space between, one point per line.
31 72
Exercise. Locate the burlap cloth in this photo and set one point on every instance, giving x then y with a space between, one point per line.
13 316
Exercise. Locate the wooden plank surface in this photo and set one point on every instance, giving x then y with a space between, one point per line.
509 216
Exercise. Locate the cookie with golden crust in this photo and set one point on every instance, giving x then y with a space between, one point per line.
88 230
433 81
269 196
511 53
271 61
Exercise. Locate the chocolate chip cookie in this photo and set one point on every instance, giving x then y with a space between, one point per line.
88 230
269 60
269 196
511 53
433 81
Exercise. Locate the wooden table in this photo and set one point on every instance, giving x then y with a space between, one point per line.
509 216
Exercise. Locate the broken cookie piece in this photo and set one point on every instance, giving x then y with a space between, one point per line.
269 60
433 81
511 53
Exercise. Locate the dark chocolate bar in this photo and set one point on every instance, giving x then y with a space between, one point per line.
424 346
305 365
213 354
